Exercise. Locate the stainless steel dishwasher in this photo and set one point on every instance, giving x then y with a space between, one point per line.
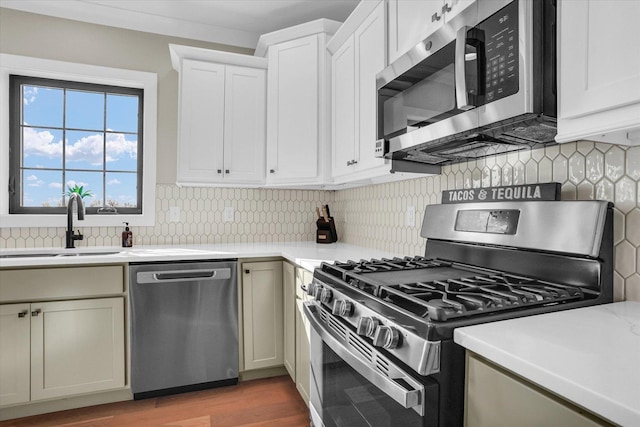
184 326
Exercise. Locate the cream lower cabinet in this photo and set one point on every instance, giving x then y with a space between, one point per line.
262 308
68 339
497 398
61 348
303 336
76 347
15 327
289 307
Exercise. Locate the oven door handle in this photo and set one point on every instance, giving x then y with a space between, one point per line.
409 398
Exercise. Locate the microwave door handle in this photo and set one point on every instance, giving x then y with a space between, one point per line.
464 100
409 399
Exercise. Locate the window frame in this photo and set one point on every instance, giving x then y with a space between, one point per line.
16 184
83 73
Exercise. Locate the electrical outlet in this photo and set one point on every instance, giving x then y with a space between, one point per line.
174 214
228 214
411 216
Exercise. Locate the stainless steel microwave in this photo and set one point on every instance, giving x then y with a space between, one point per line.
483 83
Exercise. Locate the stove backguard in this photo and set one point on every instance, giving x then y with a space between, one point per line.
568 242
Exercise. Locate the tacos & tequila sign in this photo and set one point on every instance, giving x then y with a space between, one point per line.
548 191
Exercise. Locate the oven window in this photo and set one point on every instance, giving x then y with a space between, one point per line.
349 400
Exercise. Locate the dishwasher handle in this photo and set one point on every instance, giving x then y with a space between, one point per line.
173 276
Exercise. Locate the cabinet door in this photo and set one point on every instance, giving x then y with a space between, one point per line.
201 122
293 111
262 314
496 398
343 111
370 60
14 353
411 21
289 301
599 82
244 124
303 339
76 347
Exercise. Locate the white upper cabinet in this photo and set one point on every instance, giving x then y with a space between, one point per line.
411 21
358 56
297 101
222 114
599 66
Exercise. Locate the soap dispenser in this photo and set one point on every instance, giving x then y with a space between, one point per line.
127 237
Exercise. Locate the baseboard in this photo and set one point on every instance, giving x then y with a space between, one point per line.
55 405
263 373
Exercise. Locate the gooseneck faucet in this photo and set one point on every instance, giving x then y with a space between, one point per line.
70 236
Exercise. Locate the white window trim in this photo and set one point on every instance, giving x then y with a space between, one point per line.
36 67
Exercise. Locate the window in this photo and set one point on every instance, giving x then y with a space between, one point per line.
103 77
70 136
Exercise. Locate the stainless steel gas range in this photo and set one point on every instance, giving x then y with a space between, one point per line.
382 349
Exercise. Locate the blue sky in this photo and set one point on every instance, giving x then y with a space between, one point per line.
84 148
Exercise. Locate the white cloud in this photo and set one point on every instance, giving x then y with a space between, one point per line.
72 183
30 93
55 185
41 143
37 183
113 182
32 178
87 149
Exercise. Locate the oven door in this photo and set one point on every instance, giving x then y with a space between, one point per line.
353 384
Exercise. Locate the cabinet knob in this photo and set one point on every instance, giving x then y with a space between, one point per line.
35 312
354 162
435 17
23 313
272 171
219 170
349 163
226 171
446 8
247 272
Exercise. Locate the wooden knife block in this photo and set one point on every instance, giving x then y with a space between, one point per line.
326 232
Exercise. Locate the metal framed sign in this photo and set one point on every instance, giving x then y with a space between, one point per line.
546 191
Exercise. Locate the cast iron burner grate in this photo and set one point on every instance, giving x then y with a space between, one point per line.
455 298
442 290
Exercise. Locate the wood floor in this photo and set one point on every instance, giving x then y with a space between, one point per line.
265 402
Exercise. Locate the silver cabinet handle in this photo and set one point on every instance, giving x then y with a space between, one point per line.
23 313
36 312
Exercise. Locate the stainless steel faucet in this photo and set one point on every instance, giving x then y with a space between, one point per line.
70 236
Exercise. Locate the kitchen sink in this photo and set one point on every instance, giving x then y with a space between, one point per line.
27 255
55 254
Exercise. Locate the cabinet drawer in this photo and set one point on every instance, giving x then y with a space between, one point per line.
62 282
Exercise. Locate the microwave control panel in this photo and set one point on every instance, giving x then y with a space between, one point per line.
501 53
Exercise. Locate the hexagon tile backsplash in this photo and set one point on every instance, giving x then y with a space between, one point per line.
374 216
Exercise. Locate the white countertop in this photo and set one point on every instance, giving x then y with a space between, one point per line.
305 254
590 356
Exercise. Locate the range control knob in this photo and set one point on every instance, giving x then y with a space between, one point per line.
326 295
342 308
367 326
387 337
317 291
311 288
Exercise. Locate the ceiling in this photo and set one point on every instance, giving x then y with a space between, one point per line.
233 22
